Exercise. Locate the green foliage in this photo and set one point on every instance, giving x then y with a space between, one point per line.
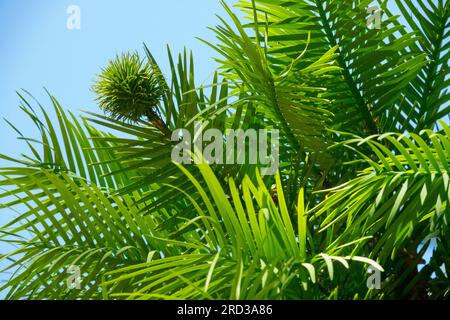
363 178
239 247
402 196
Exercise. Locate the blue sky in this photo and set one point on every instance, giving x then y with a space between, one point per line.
38 50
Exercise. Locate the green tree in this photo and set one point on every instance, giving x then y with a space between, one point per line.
363 179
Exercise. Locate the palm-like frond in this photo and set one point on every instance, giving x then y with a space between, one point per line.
401 200
427 94
103 196
69 223
243 247
143 151
68 215
66 221
372 72
290 100
66 146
